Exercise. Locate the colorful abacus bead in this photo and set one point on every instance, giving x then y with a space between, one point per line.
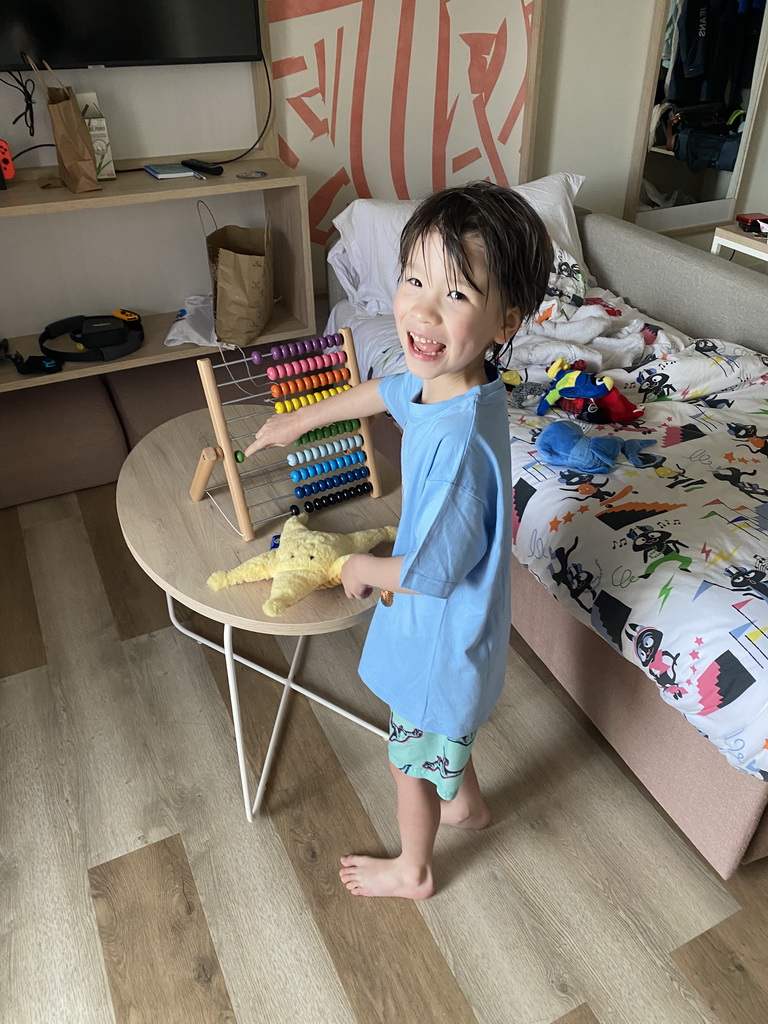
292 404
321 362
343 444
342 462
343 427
307 383
326 484
295 348
333 499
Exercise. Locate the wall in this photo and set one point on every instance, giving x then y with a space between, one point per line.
393 100
150 111
591 75
593 63
153 257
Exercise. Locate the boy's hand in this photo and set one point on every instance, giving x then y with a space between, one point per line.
353 579
276 432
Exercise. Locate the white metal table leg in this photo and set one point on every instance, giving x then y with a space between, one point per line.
289 685
235 704
275 737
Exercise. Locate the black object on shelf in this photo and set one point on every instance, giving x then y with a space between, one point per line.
203 167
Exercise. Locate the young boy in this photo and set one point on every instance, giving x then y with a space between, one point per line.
474 263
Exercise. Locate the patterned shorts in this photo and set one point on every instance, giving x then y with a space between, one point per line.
429 755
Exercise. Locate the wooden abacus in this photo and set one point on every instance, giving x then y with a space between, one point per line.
338 461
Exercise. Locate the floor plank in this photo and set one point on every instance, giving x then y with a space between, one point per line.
49 946
22 647
581 1015
318 816
728 964
138 604
86 659
48 510
582 849
160 960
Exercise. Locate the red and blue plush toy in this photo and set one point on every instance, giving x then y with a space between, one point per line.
586 395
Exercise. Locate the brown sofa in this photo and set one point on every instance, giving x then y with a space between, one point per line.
68 435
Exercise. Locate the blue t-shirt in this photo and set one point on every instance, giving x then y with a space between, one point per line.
439 657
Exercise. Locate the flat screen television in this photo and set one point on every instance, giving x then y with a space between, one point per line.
115 33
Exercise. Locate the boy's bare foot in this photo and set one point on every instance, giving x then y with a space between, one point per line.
452 812
378 876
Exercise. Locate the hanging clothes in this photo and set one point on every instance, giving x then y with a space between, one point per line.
706 41
716 50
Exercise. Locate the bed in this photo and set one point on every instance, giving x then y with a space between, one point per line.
657 572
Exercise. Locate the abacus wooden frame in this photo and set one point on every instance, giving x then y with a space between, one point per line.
223 452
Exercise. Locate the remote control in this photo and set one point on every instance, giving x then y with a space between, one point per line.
203 167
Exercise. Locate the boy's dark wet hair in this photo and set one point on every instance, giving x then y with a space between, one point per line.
518 250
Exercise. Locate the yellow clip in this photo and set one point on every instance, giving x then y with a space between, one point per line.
125 314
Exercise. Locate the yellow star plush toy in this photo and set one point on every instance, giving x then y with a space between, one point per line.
306 560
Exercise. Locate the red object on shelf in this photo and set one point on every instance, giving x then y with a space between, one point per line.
6 164
750 222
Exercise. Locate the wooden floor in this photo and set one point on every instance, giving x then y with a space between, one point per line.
133 890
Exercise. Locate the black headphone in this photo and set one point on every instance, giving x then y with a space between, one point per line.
97 337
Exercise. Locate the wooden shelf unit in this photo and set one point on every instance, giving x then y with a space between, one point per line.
282 326
25 194
285 204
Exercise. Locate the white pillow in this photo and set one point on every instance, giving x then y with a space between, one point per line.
365 256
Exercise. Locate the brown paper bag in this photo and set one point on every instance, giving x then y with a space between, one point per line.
77 163
240 262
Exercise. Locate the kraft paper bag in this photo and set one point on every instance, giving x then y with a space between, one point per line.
74 150
77 162
240 262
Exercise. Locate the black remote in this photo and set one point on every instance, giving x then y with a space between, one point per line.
203 167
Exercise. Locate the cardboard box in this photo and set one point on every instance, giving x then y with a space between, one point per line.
97 128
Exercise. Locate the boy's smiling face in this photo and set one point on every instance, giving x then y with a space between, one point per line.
445 324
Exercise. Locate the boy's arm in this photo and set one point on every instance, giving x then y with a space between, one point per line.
362 572
353 404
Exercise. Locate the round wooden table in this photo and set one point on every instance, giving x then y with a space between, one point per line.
179 543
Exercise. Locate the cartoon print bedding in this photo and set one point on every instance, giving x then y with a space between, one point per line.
668 561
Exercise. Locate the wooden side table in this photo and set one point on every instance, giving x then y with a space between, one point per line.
732 237
179 543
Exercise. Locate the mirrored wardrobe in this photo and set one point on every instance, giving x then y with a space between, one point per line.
706 68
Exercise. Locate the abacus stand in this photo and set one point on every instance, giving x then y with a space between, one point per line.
289 685
225 453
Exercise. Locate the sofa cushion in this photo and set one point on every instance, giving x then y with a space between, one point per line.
58 437
150 395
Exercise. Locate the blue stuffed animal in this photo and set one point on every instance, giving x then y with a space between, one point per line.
563 443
